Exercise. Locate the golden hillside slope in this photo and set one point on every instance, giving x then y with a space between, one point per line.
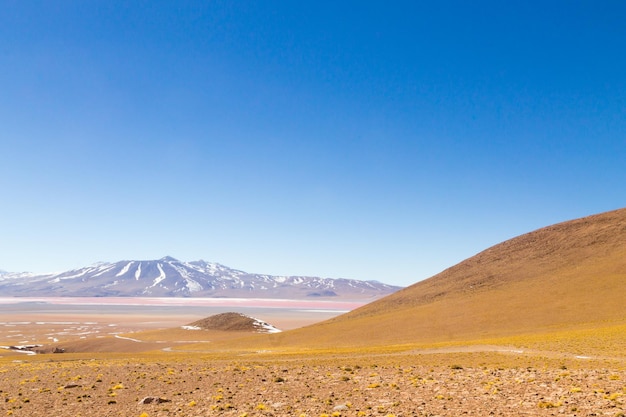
567 276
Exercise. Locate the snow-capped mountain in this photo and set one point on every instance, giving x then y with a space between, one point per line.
169 277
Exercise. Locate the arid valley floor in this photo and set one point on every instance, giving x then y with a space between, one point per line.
187 373
400 385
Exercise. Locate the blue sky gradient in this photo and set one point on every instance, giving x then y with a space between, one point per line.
367 140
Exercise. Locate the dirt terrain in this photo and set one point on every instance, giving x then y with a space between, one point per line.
447 384
141 369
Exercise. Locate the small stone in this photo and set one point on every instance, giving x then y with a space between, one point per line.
154 400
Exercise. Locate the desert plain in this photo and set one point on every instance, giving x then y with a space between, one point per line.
137 360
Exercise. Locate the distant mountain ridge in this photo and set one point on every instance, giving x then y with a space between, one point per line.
169 277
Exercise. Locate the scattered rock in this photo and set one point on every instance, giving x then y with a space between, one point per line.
406 387
154 400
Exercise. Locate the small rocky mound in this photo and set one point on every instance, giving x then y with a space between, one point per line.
233 322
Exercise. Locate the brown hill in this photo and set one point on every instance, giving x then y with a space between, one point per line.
233 322
566 276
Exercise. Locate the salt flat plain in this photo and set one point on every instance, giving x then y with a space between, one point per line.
25 321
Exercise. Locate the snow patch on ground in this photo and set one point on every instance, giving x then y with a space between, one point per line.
124 270
104 270
128 338
160 278
193 285
265 327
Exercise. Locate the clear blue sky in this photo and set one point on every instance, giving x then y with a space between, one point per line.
368 140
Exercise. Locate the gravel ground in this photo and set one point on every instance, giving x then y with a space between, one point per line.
342 386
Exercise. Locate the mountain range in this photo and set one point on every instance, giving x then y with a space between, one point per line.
169 277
